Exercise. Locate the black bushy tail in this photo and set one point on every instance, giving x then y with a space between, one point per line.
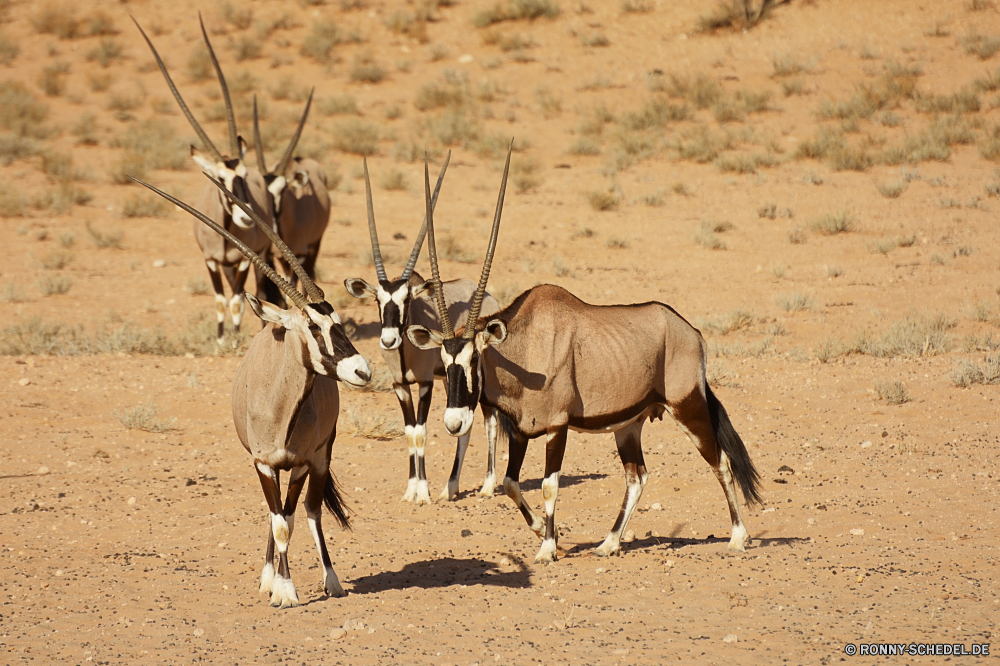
739 458
335 503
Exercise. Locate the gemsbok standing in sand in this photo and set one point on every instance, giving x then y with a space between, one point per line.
286 404
299 198
401 303
549 362
221 256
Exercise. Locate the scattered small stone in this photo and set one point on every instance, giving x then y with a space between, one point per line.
730 638
857 531
656 506
43 470
781 481
131 501
159 263
865 444
785 469
622 651
199 632
629 537
600 570
504 561
668 563
465 58
811 521
337 634
466 533
191 482
59 572
23 381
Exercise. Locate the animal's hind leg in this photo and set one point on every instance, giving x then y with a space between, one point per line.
237 278
416 438
220 298
693 417
283 592
490 482
629 441
424 393
314 506
517 447
555 447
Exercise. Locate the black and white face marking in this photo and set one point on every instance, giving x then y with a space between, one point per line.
462 372
232 174
330 351
393 300
276 187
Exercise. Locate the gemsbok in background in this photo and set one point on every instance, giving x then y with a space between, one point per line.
299 198
549 362
222 256
286 404
403 302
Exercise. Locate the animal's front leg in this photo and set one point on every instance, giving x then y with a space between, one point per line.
450 491
490 482
517 447
424 392
555 447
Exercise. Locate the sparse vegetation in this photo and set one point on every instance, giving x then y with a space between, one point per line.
515 10
984 46
144 417
618 243
893 392
706 234
832 224
730 322
59 20
394 179
149 144
967 372
915 335
105 239
366 69
107 51
196 286
892 190
526 174
12 292
795 301
339 105
603 199
381 381
736 15
319 44
797 237
373 426
52 285
145 206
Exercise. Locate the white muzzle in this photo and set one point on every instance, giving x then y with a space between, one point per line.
458 420
354 370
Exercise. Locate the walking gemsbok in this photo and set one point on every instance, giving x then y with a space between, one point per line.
286 404
299 198
221 256
550 362
401 303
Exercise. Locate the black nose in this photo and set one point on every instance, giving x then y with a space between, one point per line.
365 376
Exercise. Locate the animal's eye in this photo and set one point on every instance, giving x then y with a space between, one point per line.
313 326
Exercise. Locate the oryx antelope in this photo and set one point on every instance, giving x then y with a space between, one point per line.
550 362
401 303
221 256
286 404
299 198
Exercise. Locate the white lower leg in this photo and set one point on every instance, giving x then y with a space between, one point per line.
633 491
423 491
550 492
282 589
739 538
220 313
267 578
330 581
490 482
411 448
236 309
513 490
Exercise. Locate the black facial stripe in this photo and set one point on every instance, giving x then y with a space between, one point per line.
460 394
240 189
391 316
322 308
231 164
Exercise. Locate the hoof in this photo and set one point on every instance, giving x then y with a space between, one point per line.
547 554
332 585
449 492
267 579
284 595
607 549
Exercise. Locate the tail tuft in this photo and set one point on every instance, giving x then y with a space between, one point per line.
335 502
746 474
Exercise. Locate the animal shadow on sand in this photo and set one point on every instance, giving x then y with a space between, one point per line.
356 331
672 542
534 484
444 572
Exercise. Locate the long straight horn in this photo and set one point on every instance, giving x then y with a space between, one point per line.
372 232
442 307
261 265
477 300
408 271
314 293
257 146
205 141
287 157
234 144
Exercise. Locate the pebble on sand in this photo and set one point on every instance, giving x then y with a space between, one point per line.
23 381
857 531
43 470
730 638
199 632
131 501
656 506
338 633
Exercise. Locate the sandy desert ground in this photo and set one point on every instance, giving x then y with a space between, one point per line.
817 194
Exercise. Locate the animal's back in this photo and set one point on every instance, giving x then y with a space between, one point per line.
307 208
214 246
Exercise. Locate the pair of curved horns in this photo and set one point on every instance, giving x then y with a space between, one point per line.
314 293
477 299
287 157
230 118
373 232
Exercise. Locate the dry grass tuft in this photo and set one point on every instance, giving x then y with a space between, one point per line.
832 224
319 44
373 426
795 301
966 372
366 69
735 320
603 199
53 285
893 392
357 137
144 417
338 105
58 20
984 46
914 336
145 206
735 14
515 10
105 239
394 179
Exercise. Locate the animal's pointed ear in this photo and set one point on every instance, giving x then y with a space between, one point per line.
266 311
300 179
359 288
494 333
425 290
424 338
205 162
243 146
